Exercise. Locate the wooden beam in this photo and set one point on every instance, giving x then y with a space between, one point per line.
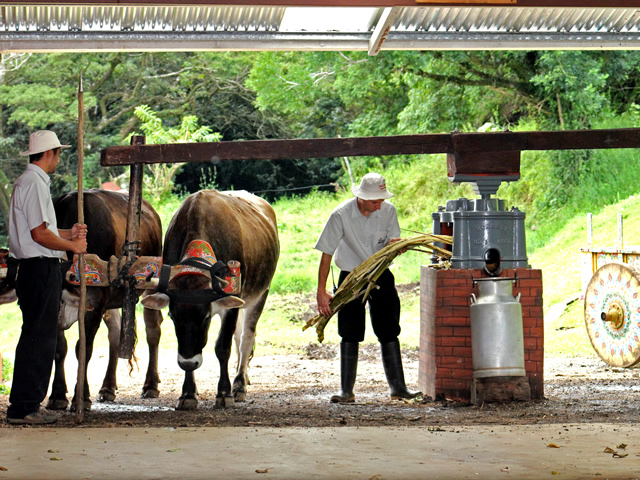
275 149
484 163
371 146
549 140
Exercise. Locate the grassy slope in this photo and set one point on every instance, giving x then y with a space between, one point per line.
561 263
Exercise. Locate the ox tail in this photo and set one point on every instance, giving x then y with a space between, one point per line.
133 361
113 321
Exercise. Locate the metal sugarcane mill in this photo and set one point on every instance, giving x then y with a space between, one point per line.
479 341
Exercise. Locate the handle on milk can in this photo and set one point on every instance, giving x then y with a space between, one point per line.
473 298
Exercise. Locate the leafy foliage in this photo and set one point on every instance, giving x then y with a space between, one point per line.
159 178
250 95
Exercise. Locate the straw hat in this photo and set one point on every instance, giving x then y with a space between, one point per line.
41 141
373 186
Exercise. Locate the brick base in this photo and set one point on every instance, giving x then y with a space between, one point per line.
445 367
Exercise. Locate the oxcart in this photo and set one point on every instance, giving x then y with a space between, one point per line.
611 286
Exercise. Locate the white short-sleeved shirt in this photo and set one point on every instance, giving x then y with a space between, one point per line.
31 205
352 238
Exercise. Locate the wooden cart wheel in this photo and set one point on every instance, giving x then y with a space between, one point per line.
612 314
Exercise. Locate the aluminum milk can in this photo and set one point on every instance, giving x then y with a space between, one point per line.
497 343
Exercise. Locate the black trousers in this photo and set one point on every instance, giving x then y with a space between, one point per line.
384 310
38 287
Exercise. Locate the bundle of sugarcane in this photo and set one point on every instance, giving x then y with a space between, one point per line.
363 278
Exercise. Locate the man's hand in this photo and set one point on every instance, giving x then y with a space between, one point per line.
324 298
78 238
393 240
79 230
78 245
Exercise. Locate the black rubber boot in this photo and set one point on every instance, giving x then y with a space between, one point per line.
348 370
392 362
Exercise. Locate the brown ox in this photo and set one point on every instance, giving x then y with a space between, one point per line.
106 219
238 226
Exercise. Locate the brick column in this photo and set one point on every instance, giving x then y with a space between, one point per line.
445 361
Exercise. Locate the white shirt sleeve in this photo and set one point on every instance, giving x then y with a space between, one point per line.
331 235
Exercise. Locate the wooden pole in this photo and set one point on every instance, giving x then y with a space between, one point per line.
130 251
82 343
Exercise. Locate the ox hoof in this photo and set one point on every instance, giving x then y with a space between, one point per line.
223 401
150 393
106 396
57 404
187 404
239 395
86 406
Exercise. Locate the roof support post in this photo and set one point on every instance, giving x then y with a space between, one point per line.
382 29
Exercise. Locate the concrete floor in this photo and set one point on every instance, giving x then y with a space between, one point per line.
478 452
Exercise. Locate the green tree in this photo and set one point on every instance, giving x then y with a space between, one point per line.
159 178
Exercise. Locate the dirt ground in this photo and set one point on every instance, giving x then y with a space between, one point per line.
294 391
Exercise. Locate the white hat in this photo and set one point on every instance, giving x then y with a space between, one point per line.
372 187
41 141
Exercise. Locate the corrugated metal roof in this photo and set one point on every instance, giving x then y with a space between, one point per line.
139 19
214 27
519 20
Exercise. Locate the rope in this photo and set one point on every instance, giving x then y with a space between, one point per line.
123 270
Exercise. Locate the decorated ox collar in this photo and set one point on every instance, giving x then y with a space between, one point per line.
199 259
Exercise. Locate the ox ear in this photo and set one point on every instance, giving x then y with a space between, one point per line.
229 302
155 301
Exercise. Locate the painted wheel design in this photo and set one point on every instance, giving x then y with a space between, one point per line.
612 314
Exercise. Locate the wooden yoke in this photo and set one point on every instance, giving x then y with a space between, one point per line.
145 272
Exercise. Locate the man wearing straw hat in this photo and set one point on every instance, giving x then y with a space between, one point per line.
357 229
38 245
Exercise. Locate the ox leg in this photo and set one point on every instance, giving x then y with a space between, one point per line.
224 397
237 340
189 398
113 321
237 335
58 397
152 322
247 345
92 323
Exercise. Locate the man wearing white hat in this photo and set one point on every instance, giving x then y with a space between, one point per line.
357 229
38 245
